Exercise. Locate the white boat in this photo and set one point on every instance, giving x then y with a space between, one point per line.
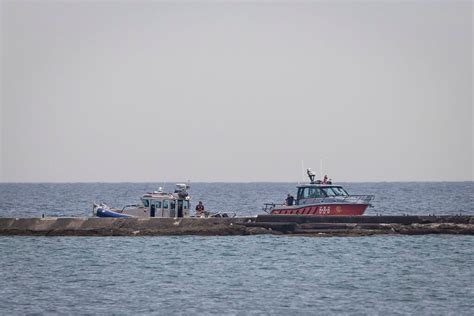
157 204
153 204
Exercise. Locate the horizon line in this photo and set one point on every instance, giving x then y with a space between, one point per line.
226 182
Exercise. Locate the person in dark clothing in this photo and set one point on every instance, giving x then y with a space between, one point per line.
290 200
200 209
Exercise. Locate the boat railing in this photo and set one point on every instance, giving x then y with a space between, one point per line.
221 214
359 199
352 199
224 214
268 207
131 205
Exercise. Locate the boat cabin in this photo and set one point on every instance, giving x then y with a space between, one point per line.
161 204
165 205
153 204
318 191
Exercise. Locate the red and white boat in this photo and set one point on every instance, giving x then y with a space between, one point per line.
321 198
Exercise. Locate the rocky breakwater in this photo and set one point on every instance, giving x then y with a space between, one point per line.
365 225
63 226
318 226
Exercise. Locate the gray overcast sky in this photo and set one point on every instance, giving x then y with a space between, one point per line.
154 91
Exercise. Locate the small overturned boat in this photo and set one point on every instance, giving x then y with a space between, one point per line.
321 198
157 204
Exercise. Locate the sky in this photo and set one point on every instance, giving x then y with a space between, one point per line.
236 91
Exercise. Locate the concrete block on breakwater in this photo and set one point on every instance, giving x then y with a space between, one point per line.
124 226
263 224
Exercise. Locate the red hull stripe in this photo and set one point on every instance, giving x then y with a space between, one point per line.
327 209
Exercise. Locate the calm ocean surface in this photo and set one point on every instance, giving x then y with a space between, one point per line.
75 199
422 275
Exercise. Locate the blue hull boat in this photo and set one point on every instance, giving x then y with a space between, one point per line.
103 211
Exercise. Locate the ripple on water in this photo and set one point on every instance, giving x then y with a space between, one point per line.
237 275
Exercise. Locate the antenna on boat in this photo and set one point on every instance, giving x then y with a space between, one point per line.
321 167
302 170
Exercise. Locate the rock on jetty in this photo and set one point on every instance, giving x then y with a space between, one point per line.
366 225
262 224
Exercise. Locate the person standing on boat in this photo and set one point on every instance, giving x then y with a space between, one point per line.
290 200
200 209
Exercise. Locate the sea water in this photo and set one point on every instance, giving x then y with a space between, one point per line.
238 275
246 199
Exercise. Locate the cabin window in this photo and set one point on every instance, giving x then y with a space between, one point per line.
306 193
301 193
329 192
146 203
165 204
315 193
173 204
340 191
158 204
320 193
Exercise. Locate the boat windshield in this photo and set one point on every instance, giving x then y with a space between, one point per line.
310 193
335 191
316 193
